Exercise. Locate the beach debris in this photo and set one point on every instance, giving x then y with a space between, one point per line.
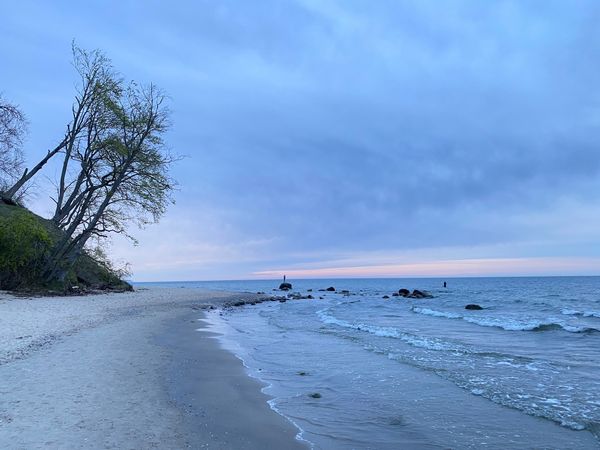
330 289
285 286
473 306
315 395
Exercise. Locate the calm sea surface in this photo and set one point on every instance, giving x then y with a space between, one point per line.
524 372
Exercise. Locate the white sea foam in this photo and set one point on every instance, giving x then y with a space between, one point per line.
573 312
434 313
508 324
391 332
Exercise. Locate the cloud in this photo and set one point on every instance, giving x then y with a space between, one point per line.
317 129
450 268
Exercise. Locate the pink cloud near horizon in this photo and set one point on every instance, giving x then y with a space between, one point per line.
450 268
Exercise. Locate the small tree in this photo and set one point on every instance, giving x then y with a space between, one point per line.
13 127
24 246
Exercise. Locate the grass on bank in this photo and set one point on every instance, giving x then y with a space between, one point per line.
26 241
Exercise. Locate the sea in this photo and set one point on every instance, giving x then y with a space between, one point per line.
356 370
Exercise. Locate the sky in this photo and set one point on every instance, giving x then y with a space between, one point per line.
343 138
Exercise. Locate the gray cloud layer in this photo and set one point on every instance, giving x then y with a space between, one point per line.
319 129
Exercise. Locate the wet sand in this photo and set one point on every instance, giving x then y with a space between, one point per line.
226 408
126 371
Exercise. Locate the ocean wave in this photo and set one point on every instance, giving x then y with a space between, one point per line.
434 313
511 324
391 332
574 312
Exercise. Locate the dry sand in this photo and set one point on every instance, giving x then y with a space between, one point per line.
126 371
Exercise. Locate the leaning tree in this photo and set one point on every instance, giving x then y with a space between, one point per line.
114 164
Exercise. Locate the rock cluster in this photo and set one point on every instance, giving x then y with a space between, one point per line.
414 294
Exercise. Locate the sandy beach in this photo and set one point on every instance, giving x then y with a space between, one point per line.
127 370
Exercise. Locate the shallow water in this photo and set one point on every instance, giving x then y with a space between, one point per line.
523 372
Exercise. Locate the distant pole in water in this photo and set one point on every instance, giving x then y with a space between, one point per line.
444 283
284 278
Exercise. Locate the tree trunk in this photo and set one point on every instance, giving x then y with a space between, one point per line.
28 174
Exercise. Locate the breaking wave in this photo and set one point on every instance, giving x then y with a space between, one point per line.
509 324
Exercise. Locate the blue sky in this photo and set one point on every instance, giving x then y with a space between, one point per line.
345 138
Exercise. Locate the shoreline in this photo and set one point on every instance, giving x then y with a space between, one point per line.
405 405
227 407
122 370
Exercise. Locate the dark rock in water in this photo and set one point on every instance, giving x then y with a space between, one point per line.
330 289
315 395
282 300
398 420
298 296
320 298
473 306
285 286
302 373
321 290
404 292
344 292
395 294
386 296
420 294
260 293
309 290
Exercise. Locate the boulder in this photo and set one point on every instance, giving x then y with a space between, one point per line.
330 289
395 294
420 294
285 286
404 292
473 307
386 296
